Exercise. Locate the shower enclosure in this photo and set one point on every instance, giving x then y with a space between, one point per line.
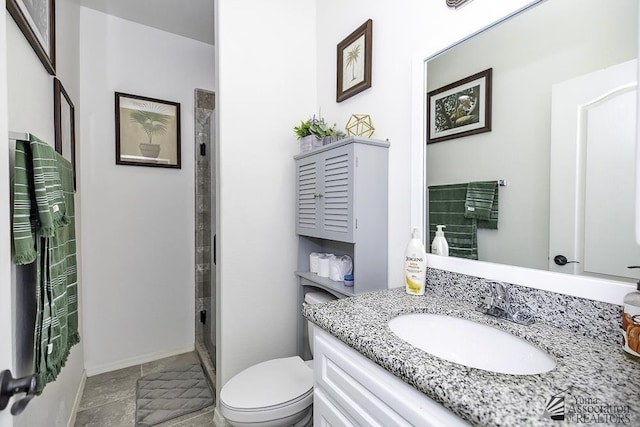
205 273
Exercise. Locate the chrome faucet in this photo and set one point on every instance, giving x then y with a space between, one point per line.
499 305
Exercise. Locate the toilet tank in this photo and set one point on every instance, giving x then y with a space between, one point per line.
315 297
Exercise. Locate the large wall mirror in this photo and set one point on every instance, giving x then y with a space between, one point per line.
562 138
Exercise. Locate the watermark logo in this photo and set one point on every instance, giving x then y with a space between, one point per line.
555 407
582 408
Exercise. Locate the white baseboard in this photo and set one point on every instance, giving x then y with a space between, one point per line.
76 402
219 420
133 361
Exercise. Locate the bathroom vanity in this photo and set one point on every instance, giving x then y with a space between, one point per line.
366 375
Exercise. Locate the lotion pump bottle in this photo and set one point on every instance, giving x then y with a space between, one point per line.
439 246
415 265
631 323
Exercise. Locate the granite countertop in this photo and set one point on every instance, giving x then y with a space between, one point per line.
604 385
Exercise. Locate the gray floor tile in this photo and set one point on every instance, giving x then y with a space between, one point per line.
120 413
159 365
109 399
196 417
106 388
203 420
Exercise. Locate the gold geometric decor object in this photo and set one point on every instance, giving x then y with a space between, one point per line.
360 125
456 3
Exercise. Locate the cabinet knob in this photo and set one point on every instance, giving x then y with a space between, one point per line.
318 195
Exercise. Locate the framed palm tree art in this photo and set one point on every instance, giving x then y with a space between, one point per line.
147 131
354 62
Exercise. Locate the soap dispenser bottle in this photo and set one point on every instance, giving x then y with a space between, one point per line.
631 322
439 246
415 265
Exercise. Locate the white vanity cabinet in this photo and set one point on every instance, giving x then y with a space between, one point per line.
351 390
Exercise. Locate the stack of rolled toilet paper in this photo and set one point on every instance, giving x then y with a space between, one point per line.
320 263
314 262
330 266
324 264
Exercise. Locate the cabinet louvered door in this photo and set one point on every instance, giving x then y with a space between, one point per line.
337 190
307 198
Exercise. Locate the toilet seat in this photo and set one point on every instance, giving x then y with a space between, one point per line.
270 390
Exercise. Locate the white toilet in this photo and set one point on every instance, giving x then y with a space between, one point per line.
275 393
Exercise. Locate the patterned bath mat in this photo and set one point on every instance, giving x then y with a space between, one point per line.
169 394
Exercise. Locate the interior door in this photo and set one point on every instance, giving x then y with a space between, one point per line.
592 202
6 297
6 293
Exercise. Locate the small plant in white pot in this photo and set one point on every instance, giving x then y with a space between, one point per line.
314 133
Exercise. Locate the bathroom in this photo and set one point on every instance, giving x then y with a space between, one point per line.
136 224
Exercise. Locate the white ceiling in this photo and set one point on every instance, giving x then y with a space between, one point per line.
188 18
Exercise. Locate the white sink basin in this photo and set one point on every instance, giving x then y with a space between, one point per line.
471 344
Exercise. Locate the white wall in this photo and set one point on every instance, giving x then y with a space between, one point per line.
30 109
267 84
138 226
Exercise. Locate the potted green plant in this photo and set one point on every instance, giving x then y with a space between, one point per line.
316 132
153 123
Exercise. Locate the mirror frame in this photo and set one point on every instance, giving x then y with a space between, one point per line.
580 286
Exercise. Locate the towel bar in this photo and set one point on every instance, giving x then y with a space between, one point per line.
19 136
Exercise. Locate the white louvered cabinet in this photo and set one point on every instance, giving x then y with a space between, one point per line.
341 208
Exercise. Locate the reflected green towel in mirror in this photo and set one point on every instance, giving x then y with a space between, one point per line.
482 203
447 207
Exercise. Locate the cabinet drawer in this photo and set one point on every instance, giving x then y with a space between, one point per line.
326 414
369 394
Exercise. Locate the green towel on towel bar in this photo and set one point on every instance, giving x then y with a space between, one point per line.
447 207
25 211
47 187
39 205
482 203
43 179
57 293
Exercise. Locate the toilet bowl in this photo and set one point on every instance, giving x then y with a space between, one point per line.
275 393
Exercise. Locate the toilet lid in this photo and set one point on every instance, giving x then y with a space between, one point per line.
267 384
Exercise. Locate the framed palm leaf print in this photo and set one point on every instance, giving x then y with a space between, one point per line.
354 62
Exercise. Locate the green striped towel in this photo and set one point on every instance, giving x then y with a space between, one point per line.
47 187
447 207
482 203
38 204
25 212
43 179
57 291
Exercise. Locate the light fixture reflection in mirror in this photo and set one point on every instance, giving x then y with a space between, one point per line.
547 45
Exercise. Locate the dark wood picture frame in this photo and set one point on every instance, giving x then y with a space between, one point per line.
140 120
461 108
65 125
349 61
44 45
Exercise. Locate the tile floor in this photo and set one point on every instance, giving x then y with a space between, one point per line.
109 400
